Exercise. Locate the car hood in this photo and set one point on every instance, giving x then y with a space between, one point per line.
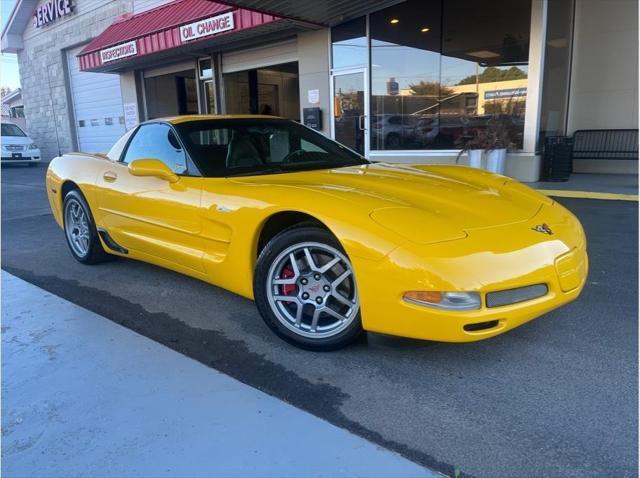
16 140
459 196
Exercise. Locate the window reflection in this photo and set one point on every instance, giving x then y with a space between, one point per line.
349 44
485 54
405 75
444 71
557 61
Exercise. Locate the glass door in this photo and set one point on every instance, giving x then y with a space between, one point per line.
209 98
207 87
350 110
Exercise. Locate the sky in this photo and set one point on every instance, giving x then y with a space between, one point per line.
9 75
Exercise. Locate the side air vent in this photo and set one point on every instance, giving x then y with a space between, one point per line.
111 244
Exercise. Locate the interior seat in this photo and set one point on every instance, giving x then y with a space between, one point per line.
241 152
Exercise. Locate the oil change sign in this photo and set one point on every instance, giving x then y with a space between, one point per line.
207 27
50 11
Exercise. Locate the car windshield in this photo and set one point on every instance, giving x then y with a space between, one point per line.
9 129
244 147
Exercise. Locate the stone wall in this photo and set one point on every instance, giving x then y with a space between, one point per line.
43 71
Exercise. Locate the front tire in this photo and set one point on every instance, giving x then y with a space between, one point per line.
305 290
80 230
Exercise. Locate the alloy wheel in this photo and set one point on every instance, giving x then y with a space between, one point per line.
77 227
312 290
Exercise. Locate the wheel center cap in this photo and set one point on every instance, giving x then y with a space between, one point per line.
314 287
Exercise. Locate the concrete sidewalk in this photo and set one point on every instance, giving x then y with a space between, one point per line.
82 396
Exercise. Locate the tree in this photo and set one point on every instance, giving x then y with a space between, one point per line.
430 88
493 74
4 90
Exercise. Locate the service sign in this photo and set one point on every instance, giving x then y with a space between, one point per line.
207 27
50 11
122 50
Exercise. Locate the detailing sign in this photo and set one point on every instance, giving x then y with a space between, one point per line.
50 11
207 27
496 94
122 50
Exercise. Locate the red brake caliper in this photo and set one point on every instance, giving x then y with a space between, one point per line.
288 289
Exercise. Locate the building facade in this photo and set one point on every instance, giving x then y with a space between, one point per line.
397 81
13 108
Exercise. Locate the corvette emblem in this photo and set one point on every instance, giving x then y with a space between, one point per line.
543 228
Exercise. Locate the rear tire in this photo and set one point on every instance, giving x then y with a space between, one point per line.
308 265
80 230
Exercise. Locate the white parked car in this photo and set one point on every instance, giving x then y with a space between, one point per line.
17 147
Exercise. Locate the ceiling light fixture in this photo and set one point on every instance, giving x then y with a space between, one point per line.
425 29
484 54
394 21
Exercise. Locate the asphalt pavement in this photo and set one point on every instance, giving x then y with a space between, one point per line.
555 397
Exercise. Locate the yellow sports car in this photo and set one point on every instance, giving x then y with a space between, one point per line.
326 243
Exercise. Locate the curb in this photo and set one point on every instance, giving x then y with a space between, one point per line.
589 195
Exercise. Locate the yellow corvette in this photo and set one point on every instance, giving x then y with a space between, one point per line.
326 243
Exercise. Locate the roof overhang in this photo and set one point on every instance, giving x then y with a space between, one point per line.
20 16
322 13
135 41
15 94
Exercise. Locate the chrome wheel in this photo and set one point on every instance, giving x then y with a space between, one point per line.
312 290
76 225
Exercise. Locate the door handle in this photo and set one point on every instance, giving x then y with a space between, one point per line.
361 122
110 176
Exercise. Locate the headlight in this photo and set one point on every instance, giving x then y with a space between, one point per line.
33 146
444 300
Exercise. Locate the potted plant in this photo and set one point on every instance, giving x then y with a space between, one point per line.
500 137
473 145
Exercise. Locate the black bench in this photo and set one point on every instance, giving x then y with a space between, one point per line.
605 144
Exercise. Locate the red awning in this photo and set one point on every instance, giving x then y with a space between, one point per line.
177 24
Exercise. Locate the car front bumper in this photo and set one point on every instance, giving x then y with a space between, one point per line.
488 261
27 156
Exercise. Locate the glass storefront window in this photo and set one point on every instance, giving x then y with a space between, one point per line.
236 93
557 63
272 91
485 55
444 70
405 75
349 44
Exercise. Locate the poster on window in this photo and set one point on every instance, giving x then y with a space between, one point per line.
130 115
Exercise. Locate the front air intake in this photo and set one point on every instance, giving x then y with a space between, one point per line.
514 296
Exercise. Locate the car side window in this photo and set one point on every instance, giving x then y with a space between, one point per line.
157 141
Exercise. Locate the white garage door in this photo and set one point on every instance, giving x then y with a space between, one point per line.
97 105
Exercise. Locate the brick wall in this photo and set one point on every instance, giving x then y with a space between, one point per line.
43 77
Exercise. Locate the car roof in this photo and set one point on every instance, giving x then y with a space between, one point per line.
188 118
